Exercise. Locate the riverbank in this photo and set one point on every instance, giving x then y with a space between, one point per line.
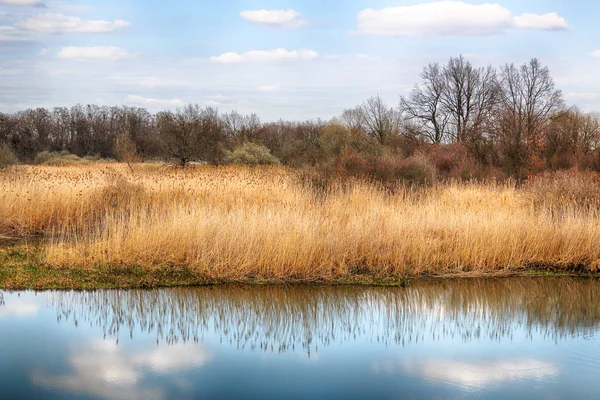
106 226
22 268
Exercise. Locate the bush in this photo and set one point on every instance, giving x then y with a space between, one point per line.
57 158
387 169
7 156
65 158
417 169
43 157
335 139
251 154
448 158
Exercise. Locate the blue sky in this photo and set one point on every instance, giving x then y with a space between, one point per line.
279 58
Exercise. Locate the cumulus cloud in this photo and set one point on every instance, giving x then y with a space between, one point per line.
595 54
29 3
59 23
150 102
275 18
450 18
265 55
551 21
110 53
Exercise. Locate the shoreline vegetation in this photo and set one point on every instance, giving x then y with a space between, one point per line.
477 171
87 226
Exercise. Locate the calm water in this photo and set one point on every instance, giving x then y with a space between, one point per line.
507 338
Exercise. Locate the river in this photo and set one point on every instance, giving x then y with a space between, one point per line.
518 338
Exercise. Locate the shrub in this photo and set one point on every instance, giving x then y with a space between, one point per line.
7 156
65 158
57 158
417 169
251 154
448 158
43 157
335 139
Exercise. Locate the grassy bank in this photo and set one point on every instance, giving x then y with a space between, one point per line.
108 227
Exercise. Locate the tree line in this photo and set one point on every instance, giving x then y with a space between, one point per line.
459 118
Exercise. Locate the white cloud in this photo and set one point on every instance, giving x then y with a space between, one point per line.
211 103
471 375
265 55
450 18
43 52
595 54
111 53
106 370
68 7
10 33
275 18
30 3
20 308
59 23
147 101
269 88
154 82
551 21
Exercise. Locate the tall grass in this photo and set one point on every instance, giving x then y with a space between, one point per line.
265 223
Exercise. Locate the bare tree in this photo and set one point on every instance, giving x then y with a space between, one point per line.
571 137
528 100
190 134
126 150
373 118
423 107
352 119
240 128
469 97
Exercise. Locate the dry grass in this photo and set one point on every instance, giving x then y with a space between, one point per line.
240 223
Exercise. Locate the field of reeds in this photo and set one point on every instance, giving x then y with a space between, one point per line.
271 223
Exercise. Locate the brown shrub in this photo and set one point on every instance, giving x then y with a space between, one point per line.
417 169
448 158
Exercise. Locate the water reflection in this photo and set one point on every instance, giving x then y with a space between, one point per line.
102 368
470 375
285 318
517 338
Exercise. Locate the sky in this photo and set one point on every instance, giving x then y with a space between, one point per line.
286 59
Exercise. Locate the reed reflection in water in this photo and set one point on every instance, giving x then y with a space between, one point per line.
281 318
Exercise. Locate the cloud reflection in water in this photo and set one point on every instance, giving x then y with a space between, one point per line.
107 370
472 374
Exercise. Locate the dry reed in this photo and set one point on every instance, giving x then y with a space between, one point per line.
240 223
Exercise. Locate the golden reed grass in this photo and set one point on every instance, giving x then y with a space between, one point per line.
238 223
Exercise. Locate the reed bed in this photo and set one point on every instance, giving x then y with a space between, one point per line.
241 223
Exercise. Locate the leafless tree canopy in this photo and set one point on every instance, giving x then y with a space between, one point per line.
424 105
191 133
511 118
